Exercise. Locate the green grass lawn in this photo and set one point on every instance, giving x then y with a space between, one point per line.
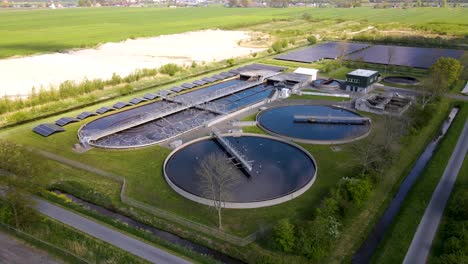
398 238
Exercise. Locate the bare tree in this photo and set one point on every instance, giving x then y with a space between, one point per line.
218 178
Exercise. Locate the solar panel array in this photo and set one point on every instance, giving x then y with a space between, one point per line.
46 130
404 56
199 82
188 85
177 89
330 50
85 115
65 121
120 105
104 110
150 96
137 100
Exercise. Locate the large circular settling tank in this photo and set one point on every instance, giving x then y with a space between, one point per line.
280 171
314 124
401 80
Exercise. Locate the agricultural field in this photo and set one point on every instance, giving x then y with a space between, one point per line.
22 33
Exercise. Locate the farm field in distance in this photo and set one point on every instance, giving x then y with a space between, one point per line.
22 33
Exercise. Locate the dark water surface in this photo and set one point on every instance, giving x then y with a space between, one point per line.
280 120
278 168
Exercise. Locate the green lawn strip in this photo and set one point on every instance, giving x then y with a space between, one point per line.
74 241
398 238
361 223
460 185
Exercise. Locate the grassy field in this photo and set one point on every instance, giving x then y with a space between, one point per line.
23 32
398 238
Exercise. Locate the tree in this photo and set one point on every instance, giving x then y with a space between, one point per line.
20 168
285 236
442 74
218 179
312 40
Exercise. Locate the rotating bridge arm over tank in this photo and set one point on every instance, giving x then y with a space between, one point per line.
246 164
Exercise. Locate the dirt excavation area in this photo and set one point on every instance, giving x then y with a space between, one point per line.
19 75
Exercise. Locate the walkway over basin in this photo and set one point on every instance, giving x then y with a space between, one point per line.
232 150
351 120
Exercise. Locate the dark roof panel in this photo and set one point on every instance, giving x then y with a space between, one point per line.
65 121
46 130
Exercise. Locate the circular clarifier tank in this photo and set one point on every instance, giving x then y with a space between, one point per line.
314 124
280 171
401 80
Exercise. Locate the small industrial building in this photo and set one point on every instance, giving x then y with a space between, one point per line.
361 80
308 71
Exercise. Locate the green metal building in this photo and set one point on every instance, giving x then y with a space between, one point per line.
361 80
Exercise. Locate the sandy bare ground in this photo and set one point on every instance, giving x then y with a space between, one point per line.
19 75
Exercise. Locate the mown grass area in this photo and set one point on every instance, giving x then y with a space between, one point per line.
23 32
438 244
398 238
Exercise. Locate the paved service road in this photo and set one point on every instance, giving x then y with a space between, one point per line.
422 240
12 251
108 235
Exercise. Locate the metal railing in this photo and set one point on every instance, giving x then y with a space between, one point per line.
232 150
